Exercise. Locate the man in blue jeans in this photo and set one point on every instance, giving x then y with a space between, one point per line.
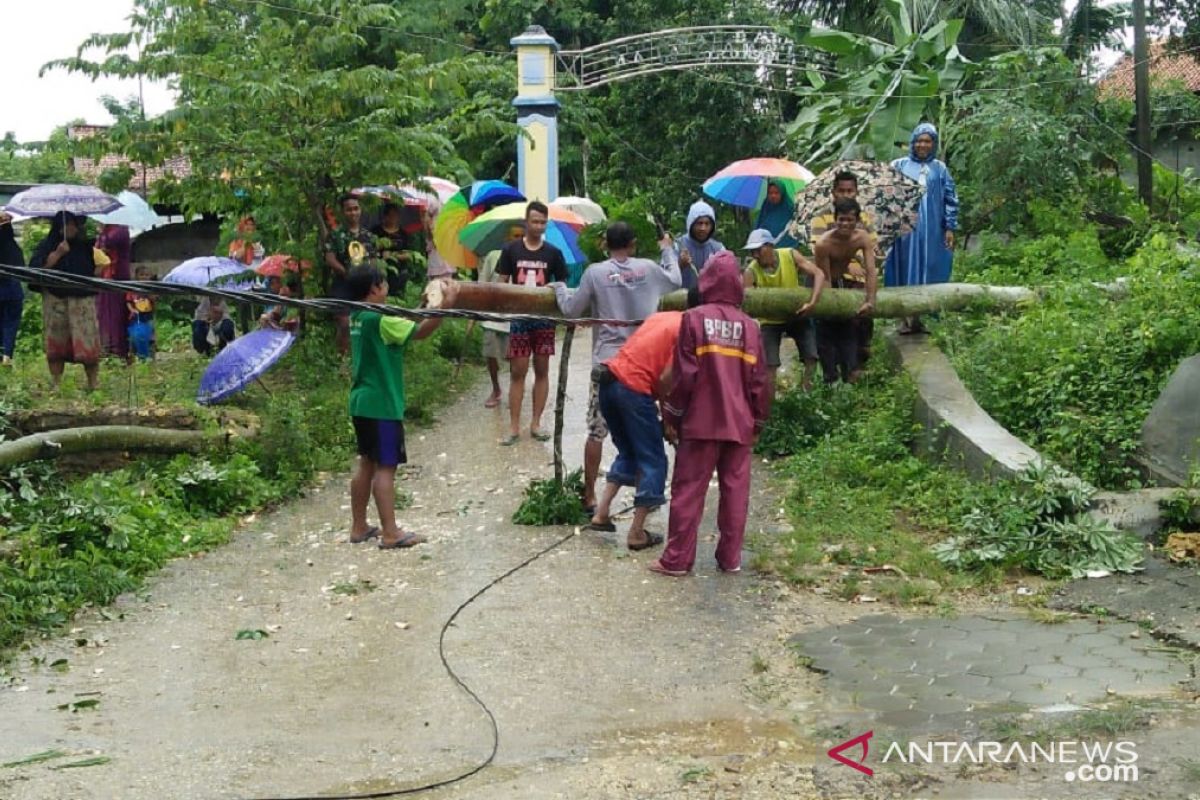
628 383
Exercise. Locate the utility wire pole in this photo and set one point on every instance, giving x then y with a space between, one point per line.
1141 88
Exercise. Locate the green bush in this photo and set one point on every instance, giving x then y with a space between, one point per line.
548 502
1075 375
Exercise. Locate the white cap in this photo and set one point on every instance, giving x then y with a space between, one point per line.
758 237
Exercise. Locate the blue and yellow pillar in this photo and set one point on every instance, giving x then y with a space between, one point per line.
537 114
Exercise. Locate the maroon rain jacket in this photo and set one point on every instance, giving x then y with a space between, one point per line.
720 390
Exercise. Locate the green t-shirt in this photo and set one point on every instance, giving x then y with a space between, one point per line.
377 346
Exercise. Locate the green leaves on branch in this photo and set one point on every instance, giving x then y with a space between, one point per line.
1042 526
883 89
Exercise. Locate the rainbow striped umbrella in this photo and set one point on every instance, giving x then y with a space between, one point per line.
467 204
490 231
744 183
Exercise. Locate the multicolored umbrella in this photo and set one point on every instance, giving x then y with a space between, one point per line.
490 231
242 362
467 204
892 200
585 207
55 198
204 270
744 183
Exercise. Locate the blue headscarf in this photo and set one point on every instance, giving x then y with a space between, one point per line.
923 128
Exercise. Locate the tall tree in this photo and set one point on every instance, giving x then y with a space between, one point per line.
283 104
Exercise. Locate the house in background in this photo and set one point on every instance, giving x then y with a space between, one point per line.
1176 147
166 245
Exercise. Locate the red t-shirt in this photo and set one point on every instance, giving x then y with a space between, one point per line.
644 356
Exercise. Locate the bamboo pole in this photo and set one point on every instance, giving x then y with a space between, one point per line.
560 402
904 301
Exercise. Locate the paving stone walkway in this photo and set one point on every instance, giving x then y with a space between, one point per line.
921 674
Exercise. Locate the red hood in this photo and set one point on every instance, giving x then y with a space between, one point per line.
721 280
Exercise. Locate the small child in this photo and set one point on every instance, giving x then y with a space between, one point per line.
276 315
141 319
377 345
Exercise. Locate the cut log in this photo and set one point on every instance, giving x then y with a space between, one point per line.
904 301
52 444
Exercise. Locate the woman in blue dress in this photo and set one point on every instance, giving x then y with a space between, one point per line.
927 254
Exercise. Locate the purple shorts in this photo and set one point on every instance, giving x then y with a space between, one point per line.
381 440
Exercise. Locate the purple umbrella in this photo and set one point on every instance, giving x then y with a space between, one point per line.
242 361
204 270
54 198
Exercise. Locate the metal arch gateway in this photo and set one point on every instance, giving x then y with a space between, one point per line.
679 49
540 65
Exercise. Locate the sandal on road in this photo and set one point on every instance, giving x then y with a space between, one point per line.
407 540
491 402
511 440
540 436
657 566
371 533
652 540
602 527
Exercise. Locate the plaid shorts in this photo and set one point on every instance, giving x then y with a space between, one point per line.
526 339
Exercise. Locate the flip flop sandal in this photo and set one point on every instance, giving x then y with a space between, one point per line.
540 436
510 441
652 540
407 540
491 402
658 567
603 527
371 533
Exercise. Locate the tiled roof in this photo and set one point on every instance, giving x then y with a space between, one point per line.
1164 66
91 169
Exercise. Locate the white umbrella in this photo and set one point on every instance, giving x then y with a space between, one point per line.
584 207
134 213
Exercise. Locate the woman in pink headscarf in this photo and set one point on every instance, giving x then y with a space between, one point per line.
110 306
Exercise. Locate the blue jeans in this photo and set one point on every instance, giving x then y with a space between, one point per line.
10 323
636 431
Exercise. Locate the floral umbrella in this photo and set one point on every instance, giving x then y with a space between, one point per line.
54 198
744 183
242 362
467 204
273 266
892 199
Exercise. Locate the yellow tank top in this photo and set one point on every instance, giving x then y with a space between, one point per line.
784 276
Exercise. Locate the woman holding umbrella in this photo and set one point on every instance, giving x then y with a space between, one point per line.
927 254
12 299
72 332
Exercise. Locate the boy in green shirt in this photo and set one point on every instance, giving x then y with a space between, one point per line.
377 345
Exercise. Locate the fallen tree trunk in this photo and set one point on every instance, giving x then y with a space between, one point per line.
904 301
52 444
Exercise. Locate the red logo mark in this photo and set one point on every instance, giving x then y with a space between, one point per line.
860 764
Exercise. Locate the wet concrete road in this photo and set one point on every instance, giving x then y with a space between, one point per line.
606 681
577 653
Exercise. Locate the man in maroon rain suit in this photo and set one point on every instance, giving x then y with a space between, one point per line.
716 407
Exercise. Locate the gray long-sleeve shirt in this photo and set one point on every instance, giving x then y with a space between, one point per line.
613 289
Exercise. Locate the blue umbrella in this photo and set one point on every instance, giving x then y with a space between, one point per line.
54 198
134 213
204 270
242 362
492 193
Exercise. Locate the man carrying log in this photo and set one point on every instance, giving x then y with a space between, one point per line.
838 340
621 287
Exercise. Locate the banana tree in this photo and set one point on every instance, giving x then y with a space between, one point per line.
881 92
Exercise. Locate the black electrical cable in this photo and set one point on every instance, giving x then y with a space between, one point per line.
462 685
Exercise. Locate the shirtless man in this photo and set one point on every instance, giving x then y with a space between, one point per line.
838 339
